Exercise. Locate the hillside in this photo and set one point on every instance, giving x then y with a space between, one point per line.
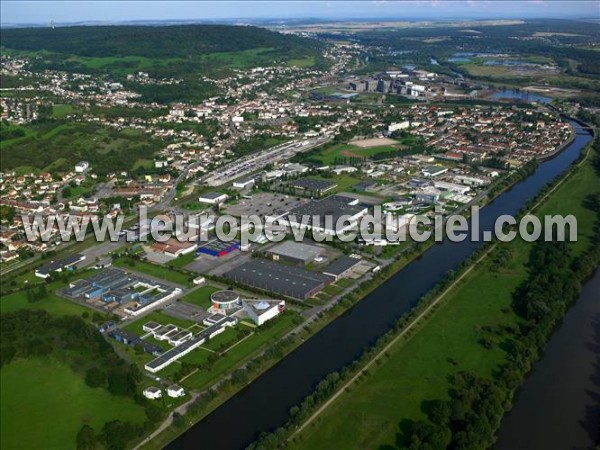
87 47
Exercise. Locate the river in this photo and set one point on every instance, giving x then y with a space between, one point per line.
558 406
265 403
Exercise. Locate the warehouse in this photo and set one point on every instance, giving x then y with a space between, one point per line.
433 171
293 282
218 248
341 267
173 247
294 252
57 266
333 208
213 198
452 187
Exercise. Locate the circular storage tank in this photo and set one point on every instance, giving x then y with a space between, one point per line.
224 300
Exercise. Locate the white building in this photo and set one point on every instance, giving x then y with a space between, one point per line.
213 198
82 166
152 393
433 171
262 310
243 184
452 187
175 391
398 126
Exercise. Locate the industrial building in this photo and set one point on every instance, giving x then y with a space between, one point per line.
109 286
428 195
294 252
452 187
175 353
57 266
433 171
341 267
244 184
293 282
327 212
218 248
131 339
173 247
213 198
313 185
260 311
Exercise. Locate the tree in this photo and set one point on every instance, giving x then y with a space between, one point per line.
95 377
116 434
240 376
86 438
178 420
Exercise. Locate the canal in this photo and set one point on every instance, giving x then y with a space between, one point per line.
265 403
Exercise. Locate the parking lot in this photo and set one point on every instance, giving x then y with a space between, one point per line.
185 311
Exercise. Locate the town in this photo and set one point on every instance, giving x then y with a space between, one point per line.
314 125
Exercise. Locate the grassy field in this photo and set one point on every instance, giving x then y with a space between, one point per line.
52 303
183 260
60 110
330 155
34 395
200 297
378 410
121 65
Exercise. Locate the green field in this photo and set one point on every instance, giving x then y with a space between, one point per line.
182 260
44 405
418 368
60 111
162 272
52 303
200 297
338 152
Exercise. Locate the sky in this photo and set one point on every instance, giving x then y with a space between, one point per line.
43 12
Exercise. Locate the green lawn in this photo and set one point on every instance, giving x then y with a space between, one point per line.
61 110
418 368
200 297
44 405
330 155
51 303
183 260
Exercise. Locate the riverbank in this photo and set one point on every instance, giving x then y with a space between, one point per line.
343 340
557 407
416 371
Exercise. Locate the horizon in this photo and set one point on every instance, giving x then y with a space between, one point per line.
46 13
